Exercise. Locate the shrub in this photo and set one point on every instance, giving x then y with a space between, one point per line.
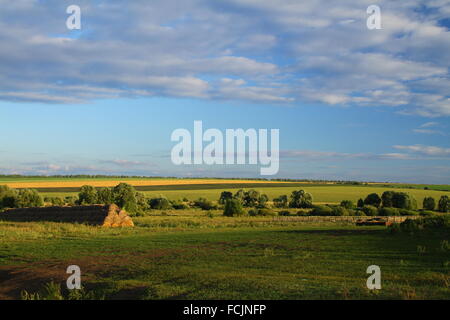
303 213
339 211
405 212
266 212
359 212
205 204
372 199
87 195
284 213
348 204
387 212
370 210
281 201
54 201
105 196
300 199
8 197
29 198
444 204
322 211
179 205
429 203
426 213
71 200
434 223
160 203
233 207
142 202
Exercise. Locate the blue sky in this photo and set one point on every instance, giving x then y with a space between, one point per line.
350 103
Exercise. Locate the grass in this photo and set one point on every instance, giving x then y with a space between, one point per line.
193 256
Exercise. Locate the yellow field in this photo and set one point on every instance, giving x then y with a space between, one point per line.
112 183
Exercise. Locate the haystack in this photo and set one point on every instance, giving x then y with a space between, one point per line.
100 215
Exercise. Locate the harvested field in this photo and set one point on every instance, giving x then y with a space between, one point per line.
76 183
105 216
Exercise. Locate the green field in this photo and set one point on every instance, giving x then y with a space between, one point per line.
193 256
321 193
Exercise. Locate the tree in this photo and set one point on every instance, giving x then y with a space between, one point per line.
105 196
360 203
444 204
29 198
87 195
347 204
262 201
125 197
372 199
386 199
300 199
404 200
160 203
233 207
281 201
8 197
224 196
251 198
429 203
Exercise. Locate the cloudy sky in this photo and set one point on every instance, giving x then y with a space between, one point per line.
351 103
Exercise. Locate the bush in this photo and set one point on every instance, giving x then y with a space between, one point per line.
387 212
358 212
444 204
339 211
266 212
160 203
71 200
29 198
434 223
429 203
348 204
370 210
303 213
426 213
405 212
205 204
284 213
8 197
87 195
281 202
403 200
300 199
105 196
54 201
321 211
372 199
179 205
233 207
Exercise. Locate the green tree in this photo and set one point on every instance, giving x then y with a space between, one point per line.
372 199
262 201
444 204
403 200
87 195
347 204
125 197
429 203
233 207
386 199
281 202
105 196
224 196
300 199
8 197
160 203
360 203
29 198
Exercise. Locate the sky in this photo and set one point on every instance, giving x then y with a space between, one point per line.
350 103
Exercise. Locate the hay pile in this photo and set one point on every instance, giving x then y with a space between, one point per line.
100 215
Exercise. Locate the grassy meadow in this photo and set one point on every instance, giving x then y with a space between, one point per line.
195 254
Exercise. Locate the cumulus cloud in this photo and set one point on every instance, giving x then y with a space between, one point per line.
277 51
